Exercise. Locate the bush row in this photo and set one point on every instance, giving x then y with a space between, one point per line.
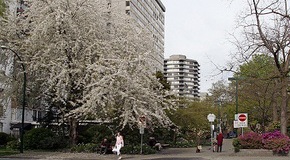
40 139
274 141
89 139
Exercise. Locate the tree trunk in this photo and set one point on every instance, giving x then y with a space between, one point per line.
275 111
284 117
73 131
274 103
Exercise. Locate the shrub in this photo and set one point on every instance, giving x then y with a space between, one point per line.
135 149
95 134
236 144
15 144
277 142
251 140
41 138
278 145
183 144
87 148
273 135
36 138
3 138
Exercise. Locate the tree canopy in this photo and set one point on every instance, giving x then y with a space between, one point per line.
259 90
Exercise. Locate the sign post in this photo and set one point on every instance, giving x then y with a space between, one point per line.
211 118
141 133
241 121
142 126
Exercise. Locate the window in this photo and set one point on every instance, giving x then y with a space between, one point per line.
127 3
1 110
34 115
39 115
1 127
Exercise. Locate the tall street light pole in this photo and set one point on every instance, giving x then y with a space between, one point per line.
23 97
236 95
219 105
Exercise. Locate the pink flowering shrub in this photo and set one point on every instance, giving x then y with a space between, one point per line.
251 140
277 142
273 135
279 145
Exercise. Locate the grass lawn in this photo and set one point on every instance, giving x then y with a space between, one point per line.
4 151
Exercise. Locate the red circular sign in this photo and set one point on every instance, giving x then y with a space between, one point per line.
242 117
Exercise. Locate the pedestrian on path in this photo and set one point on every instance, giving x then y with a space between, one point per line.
119 144
220 139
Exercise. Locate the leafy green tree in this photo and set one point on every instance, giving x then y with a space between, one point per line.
259 89
192 119
219 92
222 98
265 27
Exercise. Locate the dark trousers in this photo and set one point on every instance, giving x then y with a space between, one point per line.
104 149
219 148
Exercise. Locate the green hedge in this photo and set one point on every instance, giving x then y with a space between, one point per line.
136 149
45 139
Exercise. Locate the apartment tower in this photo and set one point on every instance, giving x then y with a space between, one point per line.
148 14
183 75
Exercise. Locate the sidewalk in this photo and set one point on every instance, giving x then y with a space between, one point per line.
165 154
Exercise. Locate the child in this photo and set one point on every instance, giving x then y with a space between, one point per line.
198 148
214 143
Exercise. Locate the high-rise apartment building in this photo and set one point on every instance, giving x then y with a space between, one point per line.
183 75
149 14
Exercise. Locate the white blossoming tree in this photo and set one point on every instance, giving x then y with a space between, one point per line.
90 64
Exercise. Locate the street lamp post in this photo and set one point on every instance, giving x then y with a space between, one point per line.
236 95
211 117
219 104
23 97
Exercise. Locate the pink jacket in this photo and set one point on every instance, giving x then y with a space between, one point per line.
119 140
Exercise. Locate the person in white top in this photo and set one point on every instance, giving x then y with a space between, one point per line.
119 144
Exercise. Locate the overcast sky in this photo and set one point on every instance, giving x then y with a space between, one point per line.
200 30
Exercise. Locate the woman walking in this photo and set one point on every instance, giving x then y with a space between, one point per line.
119 144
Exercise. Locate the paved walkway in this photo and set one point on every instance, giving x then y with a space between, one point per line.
165 154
